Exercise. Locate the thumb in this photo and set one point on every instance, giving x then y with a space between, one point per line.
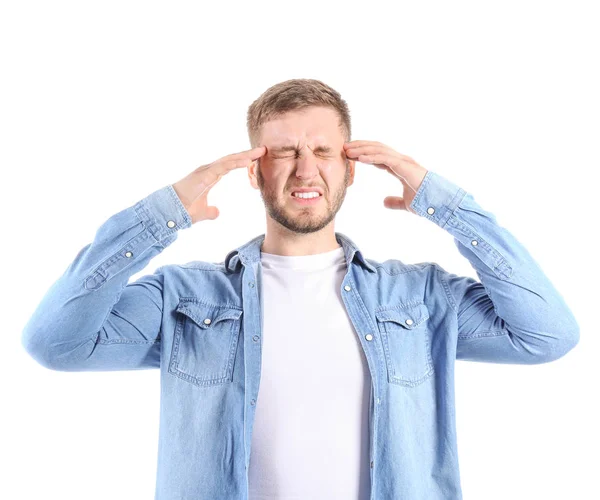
394 203
212 213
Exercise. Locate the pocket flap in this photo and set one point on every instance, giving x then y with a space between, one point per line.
206 316
409 316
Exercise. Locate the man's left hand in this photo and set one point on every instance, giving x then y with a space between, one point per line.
403 167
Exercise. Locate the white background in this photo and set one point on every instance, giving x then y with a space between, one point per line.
104 102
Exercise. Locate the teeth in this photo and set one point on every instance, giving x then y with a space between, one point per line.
306 195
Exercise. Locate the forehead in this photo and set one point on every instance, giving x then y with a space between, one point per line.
316 126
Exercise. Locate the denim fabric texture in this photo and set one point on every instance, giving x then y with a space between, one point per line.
200 324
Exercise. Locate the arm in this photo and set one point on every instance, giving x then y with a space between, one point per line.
514 314
91 319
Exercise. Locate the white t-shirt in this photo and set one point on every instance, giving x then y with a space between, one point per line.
311 432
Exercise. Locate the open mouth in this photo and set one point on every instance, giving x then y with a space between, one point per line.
307 201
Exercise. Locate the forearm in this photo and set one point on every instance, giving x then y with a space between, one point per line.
70 316
515 315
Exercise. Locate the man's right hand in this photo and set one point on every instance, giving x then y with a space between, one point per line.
194 187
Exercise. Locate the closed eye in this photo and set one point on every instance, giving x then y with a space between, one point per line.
323 155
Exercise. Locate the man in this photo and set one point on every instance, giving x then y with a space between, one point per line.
298 367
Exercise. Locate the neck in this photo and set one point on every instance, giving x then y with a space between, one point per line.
282 241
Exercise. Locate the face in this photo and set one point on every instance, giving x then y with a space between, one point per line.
304 149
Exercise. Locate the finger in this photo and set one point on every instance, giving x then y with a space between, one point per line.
238 160
257 152
389 161
377 158
394 203
368 150
252 154
357 143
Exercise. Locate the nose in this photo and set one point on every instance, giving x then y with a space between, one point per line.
307 165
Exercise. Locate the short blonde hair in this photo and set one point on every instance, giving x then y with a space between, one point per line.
293 95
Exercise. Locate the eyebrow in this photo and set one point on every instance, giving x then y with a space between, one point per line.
318 149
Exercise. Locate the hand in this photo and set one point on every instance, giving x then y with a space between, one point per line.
403 167
194 187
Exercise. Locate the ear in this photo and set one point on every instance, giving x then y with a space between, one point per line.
252 173
351 164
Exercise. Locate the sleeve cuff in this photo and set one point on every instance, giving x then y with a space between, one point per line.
163 213
436 198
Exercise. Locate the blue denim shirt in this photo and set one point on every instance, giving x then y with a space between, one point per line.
200 324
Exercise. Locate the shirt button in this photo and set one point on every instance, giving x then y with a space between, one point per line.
171 223
347 288
207 321
128 254
409 321
474 243
368 336
430 210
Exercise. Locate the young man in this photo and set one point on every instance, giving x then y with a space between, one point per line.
298 367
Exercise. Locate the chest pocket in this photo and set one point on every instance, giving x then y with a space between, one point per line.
205 342
405 334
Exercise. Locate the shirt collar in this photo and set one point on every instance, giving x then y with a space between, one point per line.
249 252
